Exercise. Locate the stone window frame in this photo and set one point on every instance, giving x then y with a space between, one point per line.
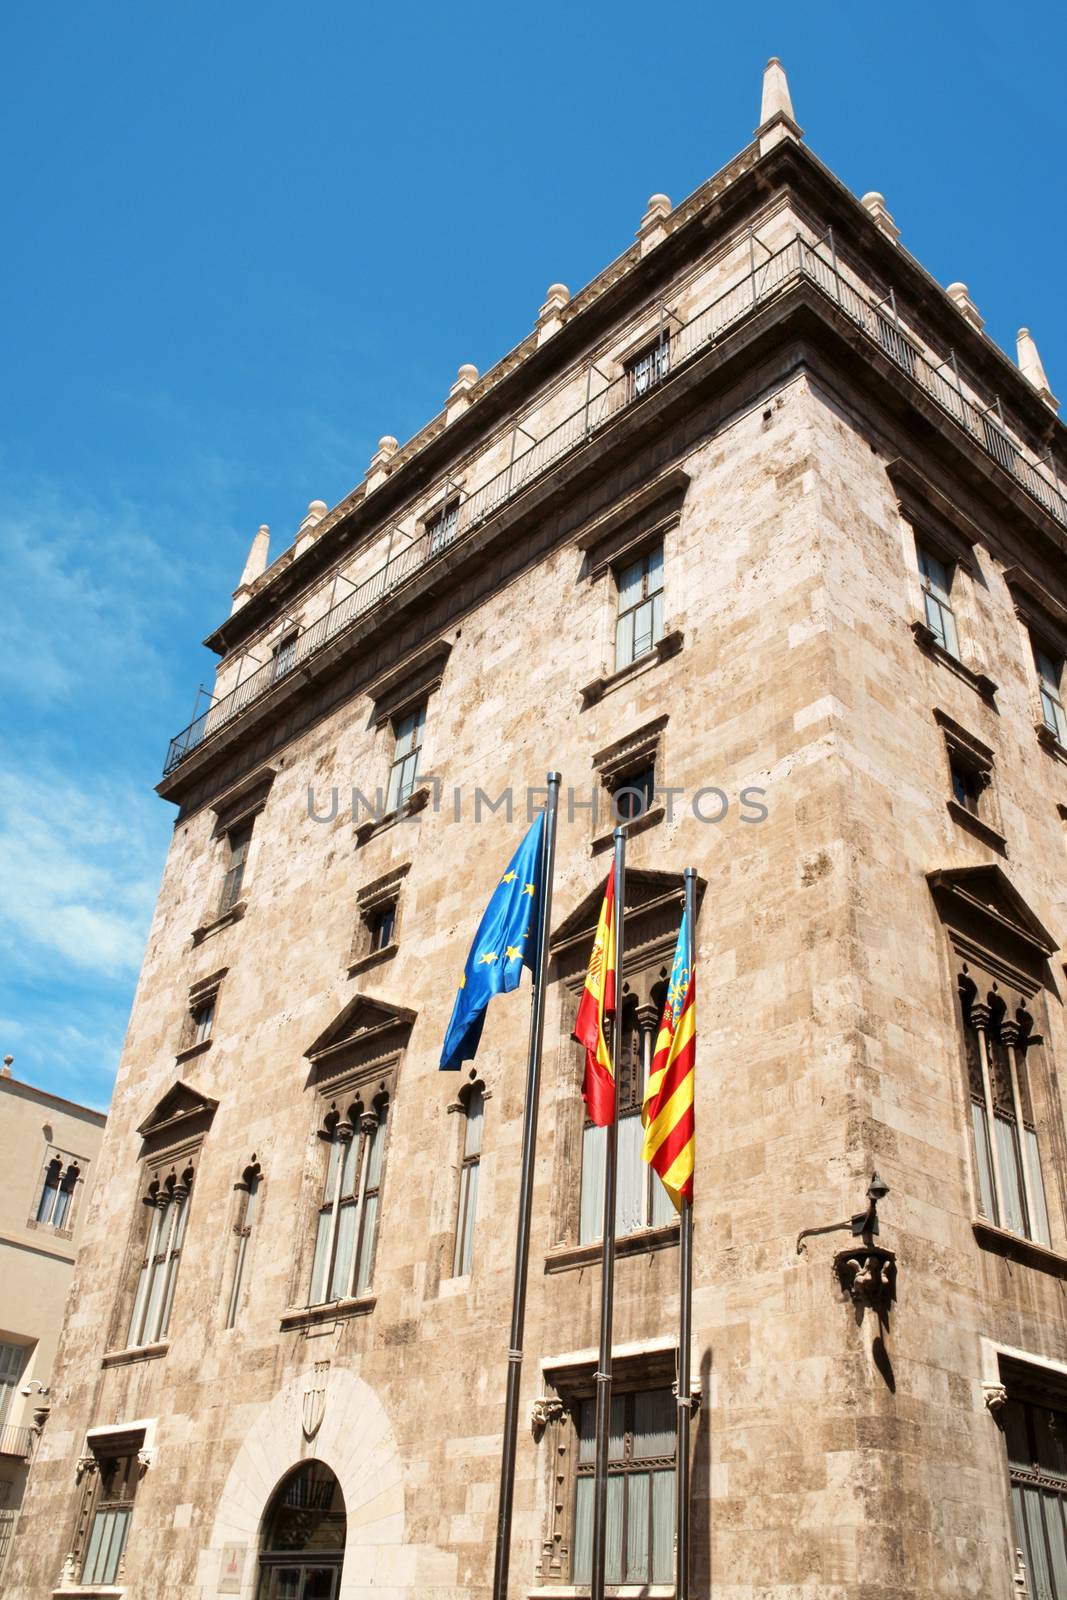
930 521
203 993
1010 1374
998 954
132 1442
371 900
651 515
636 751
567 1380
248 1208
360 1090
1043 627
973 760
235 811
466 1161
651 937
395 695
68 1162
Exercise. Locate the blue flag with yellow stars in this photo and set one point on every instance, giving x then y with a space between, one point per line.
506 941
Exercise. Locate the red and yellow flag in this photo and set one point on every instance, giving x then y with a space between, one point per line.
597 1004
670 1141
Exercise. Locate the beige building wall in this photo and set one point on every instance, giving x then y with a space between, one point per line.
849 1442
43 1138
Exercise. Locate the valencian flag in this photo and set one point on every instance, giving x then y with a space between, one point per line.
670 1144
505 942
597 1005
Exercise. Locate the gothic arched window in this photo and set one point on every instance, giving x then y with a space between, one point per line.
348 1216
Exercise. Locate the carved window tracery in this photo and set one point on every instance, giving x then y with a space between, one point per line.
355 1133
247 1189
166 1201
999 1041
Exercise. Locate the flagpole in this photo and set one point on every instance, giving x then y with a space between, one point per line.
607 1281
685 1332
526 1177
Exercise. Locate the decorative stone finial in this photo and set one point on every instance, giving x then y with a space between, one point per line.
254 567
1031 368
960 295
6 1073
378 470
875 204
305 534
458 399
549 318
652 229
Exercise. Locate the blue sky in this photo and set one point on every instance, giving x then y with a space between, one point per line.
243 242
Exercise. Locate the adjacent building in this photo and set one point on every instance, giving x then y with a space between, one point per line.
48 1151
759 539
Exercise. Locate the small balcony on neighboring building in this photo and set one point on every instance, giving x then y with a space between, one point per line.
595 395
15 1441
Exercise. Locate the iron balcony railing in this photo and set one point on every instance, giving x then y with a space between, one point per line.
797 260
15 1441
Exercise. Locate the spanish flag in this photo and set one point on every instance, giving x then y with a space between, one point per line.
597 1004
670 1143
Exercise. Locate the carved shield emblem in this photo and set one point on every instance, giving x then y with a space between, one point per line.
314 1411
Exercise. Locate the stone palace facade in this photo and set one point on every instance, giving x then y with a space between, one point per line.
759 540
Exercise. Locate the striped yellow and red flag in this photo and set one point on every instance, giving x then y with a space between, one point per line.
597 1004
670 1141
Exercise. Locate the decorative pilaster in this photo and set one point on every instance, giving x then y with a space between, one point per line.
1031 367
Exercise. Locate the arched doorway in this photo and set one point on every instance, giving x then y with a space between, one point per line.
302 1545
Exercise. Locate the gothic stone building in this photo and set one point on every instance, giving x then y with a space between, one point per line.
762 529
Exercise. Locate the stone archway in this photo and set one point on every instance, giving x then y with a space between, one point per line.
351 1434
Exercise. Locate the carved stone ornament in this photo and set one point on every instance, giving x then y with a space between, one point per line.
84 1464
868 1274
996 1397
313 1412
549 1408
144 1461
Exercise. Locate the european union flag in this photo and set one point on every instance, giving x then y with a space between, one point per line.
506 941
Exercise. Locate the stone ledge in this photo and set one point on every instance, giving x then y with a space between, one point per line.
572 1257
373 958
137 1352
1048 741
191 1051
647 819
206 929
331 1311
980 829
667 647
416 801
1026 1251
926 639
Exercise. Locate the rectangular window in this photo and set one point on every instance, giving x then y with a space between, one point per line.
283 656
640 1500
441 528
12 1361
632 794
474 1113
381 924
966 787
405 768
640 624
203 1020
936 578
56 1201
1036 1440
238 841
1049 678
166 1202
347 1230
110 1510
649 367
640 1198
1011 1189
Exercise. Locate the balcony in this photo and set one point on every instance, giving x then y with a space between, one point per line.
16 1441
797 261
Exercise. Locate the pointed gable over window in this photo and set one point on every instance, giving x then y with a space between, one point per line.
985 901
182 1113
363 1032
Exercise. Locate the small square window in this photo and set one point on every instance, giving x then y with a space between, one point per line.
283 656
238 841
632 794
967 786
441 528
649 367
1049 680
203 1020
381 924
